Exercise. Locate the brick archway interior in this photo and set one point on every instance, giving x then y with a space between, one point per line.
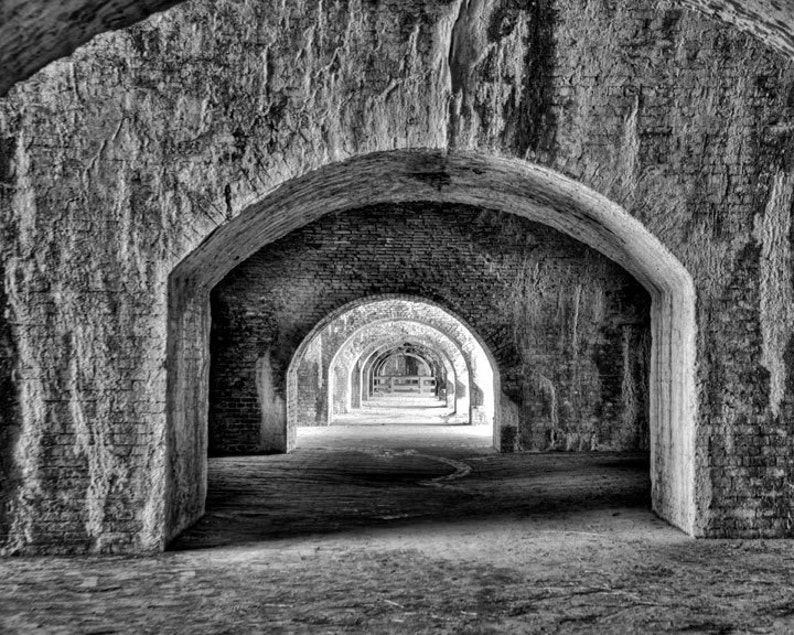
371 330
455 380
507 185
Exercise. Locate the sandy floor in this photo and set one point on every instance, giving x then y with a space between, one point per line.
397 409
416 529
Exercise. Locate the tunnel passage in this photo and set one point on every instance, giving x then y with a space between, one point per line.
365 355
513 187
568 328
402 373
407 368
369 321
404 369
366 328
448 382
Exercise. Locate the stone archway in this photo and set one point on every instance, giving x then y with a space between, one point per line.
449 374
467 372
469 354
506 185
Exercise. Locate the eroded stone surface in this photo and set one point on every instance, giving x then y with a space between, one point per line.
35 33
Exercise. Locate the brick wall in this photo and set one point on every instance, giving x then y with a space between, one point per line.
568 328
9 407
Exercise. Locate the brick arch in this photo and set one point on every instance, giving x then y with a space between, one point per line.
506 185
451 377
353 391
426 358
367 367
361 343
368 312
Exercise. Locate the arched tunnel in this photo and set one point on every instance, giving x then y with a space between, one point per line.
412 338
439 289
546 340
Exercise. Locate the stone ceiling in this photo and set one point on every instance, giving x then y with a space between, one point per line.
36 32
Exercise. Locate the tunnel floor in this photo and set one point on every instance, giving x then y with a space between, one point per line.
398 409
344 477
417 529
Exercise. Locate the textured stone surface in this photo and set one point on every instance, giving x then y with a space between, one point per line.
35 32
9 415
771 21
120 161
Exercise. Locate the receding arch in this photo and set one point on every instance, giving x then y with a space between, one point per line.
507 185
479 364
451 375
445 371
458 355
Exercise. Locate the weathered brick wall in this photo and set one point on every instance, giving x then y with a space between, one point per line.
561 319
310 396
128 155
9 410
695 157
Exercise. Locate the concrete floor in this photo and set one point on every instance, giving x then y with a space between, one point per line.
415 528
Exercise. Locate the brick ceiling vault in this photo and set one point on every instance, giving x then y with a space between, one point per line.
36 32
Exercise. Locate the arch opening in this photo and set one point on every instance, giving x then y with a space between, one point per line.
365 333
447 375
509 186
375 377
376 373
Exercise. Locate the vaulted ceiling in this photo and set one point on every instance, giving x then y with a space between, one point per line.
36 32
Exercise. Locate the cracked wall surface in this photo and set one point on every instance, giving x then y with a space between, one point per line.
120 160
34 32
